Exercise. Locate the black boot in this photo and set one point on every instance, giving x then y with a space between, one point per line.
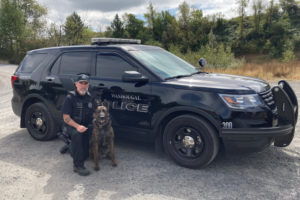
82 171
64 149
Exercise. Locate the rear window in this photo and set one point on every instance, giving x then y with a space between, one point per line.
32 61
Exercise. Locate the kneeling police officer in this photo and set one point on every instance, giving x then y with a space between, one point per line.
77 114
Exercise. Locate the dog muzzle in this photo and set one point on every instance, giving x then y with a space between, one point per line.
102 117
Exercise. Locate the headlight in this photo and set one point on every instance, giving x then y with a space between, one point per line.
241 101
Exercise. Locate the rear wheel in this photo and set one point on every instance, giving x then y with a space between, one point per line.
39 122
190 141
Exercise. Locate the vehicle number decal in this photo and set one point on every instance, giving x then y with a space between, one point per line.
227 125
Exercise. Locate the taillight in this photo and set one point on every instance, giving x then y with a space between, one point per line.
13 79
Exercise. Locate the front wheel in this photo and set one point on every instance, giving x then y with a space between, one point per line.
190 141
39 122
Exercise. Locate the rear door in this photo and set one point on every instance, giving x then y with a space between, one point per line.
63 74
130 103
28 74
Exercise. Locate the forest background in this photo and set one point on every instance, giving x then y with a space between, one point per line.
264 44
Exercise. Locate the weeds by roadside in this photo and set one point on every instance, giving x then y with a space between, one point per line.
273 70
3 61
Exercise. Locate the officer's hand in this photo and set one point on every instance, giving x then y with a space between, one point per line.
81 129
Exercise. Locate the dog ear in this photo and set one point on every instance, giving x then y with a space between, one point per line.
106 104
97 102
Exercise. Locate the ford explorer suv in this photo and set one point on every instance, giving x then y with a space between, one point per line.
157 97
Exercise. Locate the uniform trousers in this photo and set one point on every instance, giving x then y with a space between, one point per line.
79 147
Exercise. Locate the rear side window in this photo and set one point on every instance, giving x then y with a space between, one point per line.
32 61
75 63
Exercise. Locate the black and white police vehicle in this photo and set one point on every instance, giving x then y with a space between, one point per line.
156 96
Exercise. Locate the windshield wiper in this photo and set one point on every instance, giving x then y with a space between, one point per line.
179 76
187 75
197 72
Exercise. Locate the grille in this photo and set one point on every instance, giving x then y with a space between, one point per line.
269 101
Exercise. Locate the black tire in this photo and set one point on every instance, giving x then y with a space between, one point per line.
39 122
182 132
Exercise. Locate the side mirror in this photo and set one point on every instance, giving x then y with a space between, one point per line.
134 76
202 62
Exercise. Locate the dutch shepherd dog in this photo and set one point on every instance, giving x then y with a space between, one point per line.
102 140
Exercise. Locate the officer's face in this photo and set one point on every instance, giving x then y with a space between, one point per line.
82 87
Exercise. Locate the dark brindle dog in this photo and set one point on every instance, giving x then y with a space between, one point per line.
102 142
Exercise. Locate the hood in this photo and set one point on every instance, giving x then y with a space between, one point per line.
222 82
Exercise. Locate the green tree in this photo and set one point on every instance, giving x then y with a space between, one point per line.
151 16
87 34
272 16
199 27
288 51
33 13
258 14
184 16
225 30
292 9
133 26
73 29
108 32
242 5
12 28
55 35
170 28
184 21
117 27
212 40
162 26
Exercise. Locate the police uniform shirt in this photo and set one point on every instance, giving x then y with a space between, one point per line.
80 108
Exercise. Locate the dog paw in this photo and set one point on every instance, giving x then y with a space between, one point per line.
96 168
114 164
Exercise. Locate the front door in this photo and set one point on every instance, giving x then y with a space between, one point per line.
130 103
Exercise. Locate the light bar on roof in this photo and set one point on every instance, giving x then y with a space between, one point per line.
104 40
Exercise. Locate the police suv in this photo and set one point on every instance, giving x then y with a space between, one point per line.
156 96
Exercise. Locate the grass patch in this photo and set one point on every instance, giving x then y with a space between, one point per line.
4 62
217 57
272 70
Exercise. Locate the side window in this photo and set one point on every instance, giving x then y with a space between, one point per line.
112 66
75 63
32 61
55 67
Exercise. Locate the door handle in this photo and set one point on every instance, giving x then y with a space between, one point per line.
50 78
100 86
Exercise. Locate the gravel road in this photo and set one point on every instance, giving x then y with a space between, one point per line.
31 169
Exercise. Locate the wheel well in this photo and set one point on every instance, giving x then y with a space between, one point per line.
27 103
169 117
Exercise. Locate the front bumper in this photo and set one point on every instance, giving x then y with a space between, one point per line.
239 133
282 133
253 139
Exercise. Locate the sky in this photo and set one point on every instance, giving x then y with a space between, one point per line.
98 14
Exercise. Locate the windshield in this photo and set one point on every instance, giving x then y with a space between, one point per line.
163 63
